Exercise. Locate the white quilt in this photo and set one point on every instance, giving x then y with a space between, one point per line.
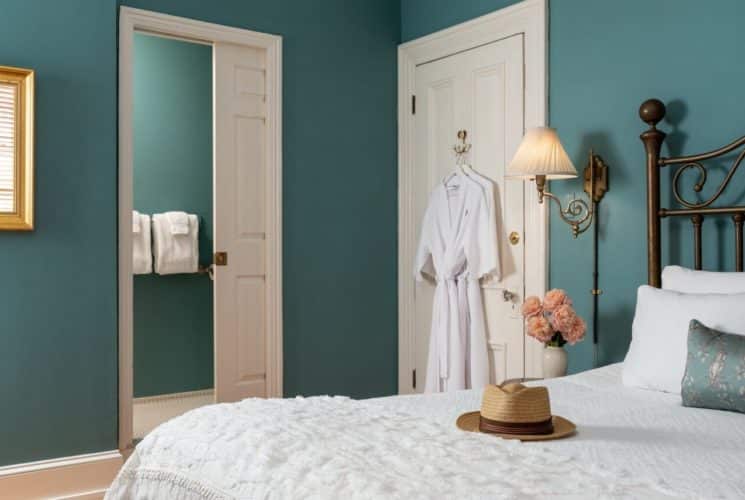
630 444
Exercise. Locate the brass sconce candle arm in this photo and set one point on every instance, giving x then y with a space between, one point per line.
579 214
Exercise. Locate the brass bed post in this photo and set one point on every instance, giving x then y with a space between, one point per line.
651 112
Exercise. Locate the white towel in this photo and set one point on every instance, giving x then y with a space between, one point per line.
175 253
142 255
179 222
136 227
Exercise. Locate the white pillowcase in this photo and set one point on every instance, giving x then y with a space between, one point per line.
686 280
659 336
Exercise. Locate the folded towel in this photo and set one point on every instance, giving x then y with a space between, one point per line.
142 255
179 222
175 253
136 227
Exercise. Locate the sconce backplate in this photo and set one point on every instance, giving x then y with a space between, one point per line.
601 177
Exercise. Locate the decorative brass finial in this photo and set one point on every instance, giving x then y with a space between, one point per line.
652 111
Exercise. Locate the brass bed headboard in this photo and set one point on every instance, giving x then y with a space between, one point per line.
652 112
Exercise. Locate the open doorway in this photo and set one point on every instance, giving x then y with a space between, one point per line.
172 177
199 177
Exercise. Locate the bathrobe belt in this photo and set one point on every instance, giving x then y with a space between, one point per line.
453 319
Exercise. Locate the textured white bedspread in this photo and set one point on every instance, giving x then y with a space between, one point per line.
630 444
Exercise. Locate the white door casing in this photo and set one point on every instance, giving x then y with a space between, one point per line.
500 71
269 192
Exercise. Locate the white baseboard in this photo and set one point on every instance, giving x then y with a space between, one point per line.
81 477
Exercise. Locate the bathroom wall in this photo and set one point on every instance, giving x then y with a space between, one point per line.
605 59
172 126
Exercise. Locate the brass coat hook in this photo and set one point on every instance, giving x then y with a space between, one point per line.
462 148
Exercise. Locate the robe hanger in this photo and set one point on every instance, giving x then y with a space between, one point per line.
461 149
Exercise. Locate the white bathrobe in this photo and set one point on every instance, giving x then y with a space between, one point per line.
457 247
489 193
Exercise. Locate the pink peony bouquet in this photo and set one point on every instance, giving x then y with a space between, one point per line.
553 321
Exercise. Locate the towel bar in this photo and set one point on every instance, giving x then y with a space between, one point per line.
209 270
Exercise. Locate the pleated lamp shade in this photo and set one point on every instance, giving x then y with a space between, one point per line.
541 153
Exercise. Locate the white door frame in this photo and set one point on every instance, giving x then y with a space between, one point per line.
529 18
132 20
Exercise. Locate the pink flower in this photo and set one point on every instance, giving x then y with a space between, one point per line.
562 318
531 307
576 332
539 328
555 298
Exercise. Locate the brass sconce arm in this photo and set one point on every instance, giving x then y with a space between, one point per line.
579 214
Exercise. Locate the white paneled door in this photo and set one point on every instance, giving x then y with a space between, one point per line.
240 224
481 91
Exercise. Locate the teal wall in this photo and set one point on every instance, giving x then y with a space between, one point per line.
605 59
58 378
173 171
422 17
58 361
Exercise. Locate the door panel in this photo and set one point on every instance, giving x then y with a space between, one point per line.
240 223
249 174
434 126
481 91
251 344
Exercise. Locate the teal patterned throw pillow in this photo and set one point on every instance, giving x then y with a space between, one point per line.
715 370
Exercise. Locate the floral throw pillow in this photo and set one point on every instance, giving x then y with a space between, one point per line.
715 371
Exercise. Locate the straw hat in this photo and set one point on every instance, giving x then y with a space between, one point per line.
514 411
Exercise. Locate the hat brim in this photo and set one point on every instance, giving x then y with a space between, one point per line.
562 428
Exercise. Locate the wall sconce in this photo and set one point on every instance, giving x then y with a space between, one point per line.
541 157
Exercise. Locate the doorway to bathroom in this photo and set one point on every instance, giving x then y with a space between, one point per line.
172 177
199 218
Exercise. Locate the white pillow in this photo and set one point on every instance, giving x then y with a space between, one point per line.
659 336
686 280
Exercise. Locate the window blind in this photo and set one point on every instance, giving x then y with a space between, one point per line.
8 97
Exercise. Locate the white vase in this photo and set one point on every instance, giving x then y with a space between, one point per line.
554 362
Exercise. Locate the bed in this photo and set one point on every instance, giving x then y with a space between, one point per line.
631 443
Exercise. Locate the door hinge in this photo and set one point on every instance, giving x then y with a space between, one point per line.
221 259
413 379
413 105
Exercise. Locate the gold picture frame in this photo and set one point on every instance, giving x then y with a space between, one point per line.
16 149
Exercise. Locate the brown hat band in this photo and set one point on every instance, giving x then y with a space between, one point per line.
497 427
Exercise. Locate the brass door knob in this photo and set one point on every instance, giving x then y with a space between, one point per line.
220 259
514 238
